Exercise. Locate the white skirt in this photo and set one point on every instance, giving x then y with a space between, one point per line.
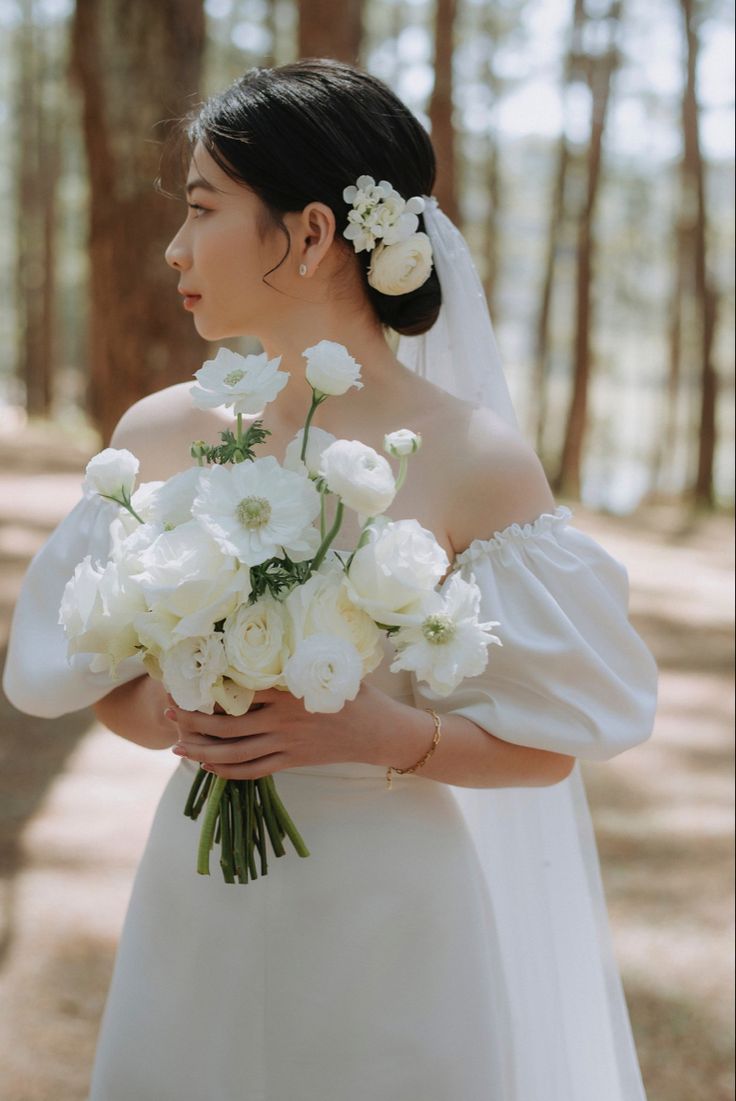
364 972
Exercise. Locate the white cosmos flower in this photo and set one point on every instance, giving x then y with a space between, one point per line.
257 642
392 574
449 644
322 606
331 369
324 671
402 442
111 473
317 441
247 383
257 510
359 475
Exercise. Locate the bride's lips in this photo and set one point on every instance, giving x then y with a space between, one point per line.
190 300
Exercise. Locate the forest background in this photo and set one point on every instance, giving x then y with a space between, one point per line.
586 150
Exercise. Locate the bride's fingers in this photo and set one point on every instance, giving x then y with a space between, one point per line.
219 726
251 770
230 752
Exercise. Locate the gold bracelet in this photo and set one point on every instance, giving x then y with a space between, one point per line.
427 755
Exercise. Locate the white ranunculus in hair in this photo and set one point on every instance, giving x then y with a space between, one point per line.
247 383
401 267
257 510
359 475
449 644
317 441
322 606
257 642
324 671
392 574
111 473
331 369
402 442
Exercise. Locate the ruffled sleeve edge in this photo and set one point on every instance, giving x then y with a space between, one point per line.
545 522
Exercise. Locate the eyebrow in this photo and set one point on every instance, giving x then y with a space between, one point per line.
205 185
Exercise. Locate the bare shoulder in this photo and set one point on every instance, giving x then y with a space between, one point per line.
159 429
494 478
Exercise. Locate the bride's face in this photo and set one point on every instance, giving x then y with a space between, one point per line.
221 258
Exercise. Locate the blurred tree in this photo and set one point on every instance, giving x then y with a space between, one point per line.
441 108
40 125
137 64
334 30
598 58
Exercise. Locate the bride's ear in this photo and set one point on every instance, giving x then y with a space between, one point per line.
314 231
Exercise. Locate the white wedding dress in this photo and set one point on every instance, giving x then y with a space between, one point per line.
417 954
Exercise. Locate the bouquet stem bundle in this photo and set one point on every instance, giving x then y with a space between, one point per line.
241 816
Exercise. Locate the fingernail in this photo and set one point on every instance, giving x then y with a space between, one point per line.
179 750
169 713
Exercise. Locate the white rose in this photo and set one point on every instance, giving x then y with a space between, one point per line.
247 383
322 606
111 473
449 644
317 441
192 669
257 643
359 475
392 574
402 442
325 671
330 368
401 267
98 607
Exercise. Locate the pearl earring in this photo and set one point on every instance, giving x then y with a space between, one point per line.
302 269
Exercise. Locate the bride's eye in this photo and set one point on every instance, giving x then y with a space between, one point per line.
196 206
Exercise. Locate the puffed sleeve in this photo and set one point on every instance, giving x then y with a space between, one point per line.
38 677
572 675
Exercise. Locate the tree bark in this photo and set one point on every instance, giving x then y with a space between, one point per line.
441 109
332 30
137 65
600 70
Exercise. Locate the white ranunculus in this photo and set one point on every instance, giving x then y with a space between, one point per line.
317 441
359 475
257 643
402 442
192 669
98 607
401 267
392 574
324 671
111 473
257 510
331 369
322 606
127 545
449 644
247 383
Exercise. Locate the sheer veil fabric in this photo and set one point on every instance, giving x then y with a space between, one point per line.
570 1031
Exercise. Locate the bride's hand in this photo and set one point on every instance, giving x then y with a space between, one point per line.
282 734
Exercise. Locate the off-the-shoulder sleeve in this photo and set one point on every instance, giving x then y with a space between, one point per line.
572 675
38 677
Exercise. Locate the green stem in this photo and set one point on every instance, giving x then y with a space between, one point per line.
324 546
208 825
202 797
226 848
315 402
270 818
250 839
294 836
241 866
261 835
322 517
194 791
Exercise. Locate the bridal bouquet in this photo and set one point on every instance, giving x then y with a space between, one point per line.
219 579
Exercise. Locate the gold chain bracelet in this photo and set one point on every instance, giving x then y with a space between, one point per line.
427 755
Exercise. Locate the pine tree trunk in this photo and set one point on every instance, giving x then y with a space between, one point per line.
333 30
440 109
137 65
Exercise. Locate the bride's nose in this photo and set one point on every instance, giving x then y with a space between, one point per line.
176 254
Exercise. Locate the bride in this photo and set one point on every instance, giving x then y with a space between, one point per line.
448 937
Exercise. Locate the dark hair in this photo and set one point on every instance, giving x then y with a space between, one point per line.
303 132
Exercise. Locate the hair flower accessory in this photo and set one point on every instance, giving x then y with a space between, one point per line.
384 223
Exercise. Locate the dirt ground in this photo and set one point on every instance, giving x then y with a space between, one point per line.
76 804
